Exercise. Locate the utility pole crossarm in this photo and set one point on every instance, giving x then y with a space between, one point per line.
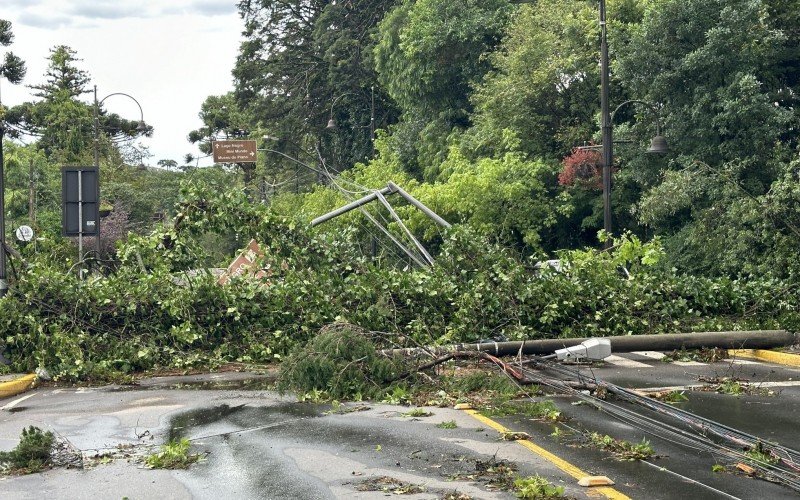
427 211
350 206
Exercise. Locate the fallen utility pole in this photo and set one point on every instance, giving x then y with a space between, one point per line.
756 339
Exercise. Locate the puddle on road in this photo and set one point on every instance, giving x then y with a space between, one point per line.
240 417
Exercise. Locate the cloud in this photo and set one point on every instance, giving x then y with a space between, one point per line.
203 8
21 3
35 20
105 10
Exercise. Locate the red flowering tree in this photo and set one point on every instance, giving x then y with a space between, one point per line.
582 168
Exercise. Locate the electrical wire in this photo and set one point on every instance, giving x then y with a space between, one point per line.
694 436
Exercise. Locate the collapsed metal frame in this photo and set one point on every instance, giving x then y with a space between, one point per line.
380 195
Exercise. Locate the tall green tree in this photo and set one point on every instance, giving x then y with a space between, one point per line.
429 55
12 68
302 63
62 122
722 70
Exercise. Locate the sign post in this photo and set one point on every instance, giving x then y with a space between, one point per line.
243 151
80 203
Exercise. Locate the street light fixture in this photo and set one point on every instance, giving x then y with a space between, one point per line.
658 145
332 122
141 127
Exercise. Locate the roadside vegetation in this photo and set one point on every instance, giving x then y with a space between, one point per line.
706 236
32 454
173 455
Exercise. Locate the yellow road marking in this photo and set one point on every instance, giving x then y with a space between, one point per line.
781 358
16 386
559 462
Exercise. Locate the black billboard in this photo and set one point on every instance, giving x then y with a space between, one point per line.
80 199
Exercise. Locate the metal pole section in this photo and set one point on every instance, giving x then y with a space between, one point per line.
758 339
608 155
372 117
80 224
397 219
427 211
350 206
31 194
3 281
402 247
97 166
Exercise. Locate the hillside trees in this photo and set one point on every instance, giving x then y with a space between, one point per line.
304 62
429 55
725 73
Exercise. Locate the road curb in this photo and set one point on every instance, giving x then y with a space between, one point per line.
17 386
781 358
559 462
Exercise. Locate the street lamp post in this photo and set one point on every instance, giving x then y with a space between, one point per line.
141 127
332 122
3 277
607 141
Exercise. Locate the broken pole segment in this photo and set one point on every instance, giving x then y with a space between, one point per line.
757 339
427 211
350 206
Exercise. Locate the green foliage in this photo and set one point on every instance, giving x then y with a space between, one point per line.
417 412
32 454
675 397
161 308
545 410
341 361
731 387
12 68
623 449
447 424
536 488
761 455
173 455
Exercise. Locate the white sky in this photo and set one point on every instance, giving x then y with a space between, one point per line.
168 54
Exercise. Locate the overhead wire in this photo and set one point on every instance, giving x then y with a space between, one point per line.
698 440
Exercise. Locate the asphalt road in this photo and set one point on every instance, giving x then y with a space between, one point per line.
261 445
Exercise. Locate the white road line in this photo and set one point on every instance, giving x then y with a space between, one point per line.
14 403
650 354
688 363
624 362
744 362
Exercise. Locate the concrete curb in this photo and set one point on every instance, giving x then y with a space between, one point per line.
17 386
781 358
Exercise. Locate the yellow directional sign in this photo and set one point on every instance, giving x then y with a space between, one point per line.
234 151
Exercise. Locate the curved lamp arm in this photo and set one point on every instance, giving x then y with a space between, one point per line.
142 125
331 121
650 105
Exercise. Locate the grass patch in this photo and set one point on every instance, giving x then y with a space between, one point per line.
173 455
542 410
418 412
624 450
537 487
674 397
731 387
32 454
447 424
705 355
